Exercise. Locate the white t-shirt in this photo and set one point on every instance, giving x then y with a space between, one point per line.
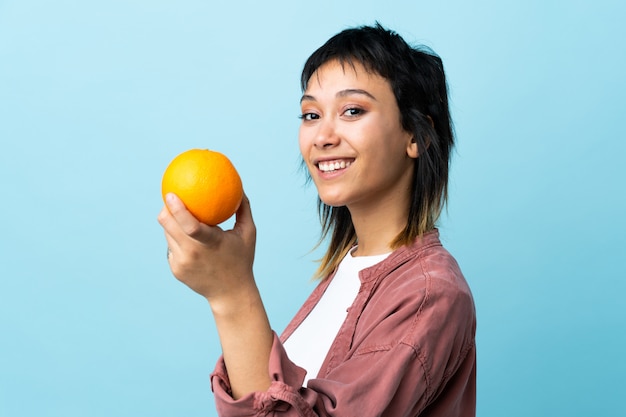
309 343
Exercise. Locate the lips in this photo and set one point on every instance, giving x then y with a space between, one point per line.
334 165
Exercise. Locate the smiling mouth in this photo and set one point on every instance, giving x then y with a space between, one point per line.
329 166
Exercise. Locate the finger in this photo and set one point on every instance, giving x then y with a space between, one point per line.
244 212
188 225
185 220
244 222
169 224
166 220
172 246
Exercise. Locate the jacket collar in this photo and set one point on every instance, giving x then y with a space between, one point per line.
401 255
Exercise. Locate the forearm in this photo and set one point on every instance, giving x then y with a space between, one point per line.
246 338
217 264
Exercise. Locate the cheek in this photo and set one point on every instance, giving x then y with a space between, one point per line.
304 145
301 140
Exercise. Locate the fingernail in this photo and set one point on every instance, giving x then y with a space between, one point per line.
170 199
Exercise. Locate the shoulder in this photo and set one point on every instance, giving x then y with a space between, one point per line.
425 268
422 289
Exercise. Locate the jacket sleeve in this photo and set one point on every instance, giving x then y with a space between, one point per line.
283 398
323 397
400 361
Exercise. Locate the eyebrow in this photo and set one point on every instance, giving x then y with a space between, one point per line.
342 93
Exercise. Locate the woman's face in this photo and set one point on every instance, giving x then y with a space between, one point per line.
352 141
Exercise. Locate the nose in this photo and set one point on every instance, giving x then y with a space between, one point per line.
326 135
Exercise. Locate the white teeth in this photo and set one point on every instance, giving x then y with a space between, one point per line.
329 166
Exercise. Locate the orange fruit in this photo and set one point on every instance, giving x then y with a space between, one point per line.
207 183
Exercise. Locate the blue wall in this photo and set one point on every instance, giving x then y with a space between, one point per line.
97 97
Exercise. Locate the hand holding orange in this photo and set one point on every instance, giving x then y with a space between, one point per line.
206 182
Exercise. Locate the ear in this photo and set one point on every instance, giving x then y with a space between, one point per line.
411 149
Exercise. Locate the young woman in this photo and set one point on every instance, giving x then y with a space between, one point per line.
389 330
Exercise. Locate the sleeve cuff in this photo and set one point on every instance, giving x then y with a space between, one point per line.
287 379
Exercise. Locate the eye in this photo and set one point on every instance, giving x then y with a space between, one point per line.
309 116
353 112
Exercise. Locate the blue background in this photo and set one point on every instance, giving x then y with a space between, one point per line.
96 97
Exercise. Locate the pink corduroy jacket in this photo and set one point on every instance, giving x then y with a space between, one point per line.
406 348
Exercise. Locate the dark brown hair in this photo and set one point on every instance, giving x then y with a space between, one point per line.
418 81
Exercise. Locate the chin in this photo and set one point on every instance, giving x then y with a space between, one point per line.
332 201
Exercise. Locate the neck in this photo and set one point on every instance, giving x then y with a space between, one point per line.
376 230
